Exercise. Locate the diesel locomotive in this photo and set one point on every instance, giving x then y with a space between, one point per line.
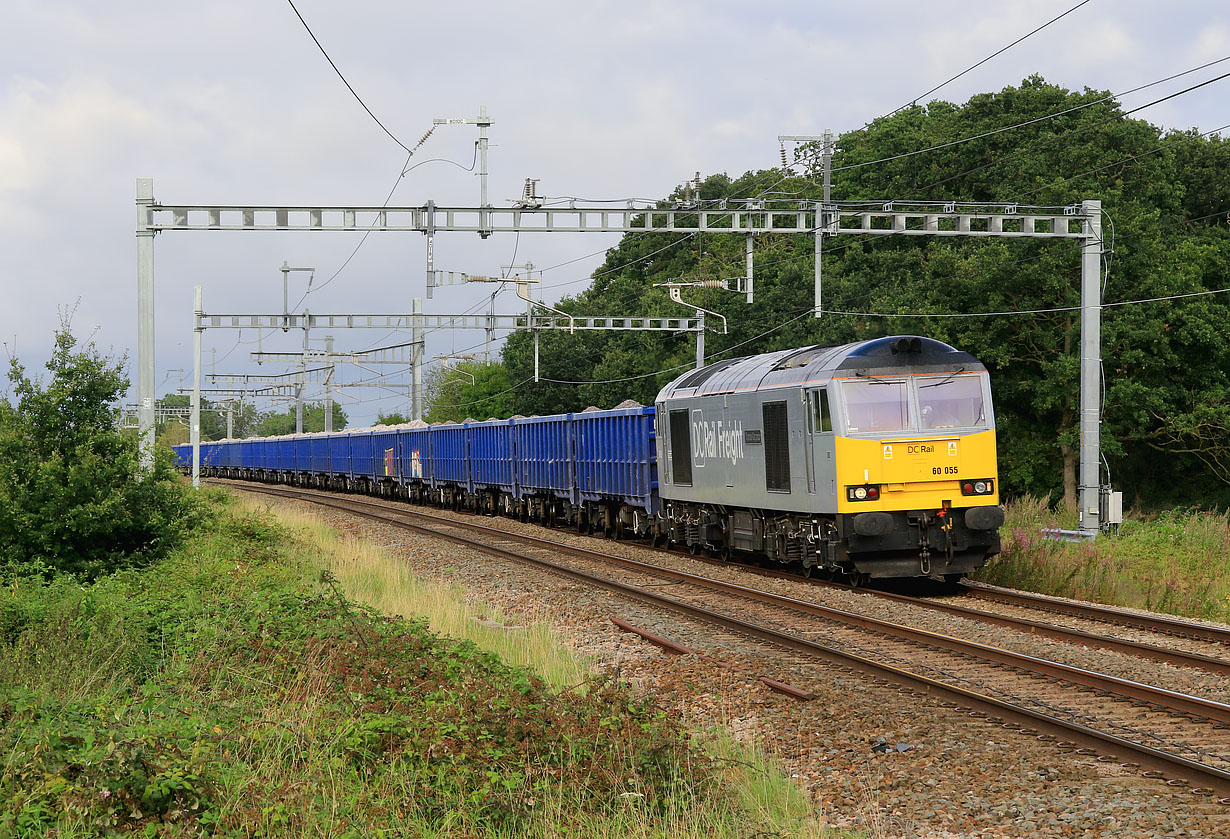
871 459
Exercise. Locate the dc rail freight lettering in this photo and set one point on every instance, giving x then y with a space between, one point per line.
871 459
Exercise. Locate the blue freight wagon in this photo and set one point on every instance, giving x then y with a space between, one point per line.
340 466
490 448
318 457
362 467
595 469
414 460
542 448
384 458
615 457
247 457
450 463
284 456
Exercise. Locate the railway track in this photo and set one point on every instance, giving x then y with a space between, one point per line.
1205 647
1182 739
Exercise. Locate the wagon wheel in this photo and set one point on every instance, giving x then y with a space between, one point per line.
694 548
727 552
619 529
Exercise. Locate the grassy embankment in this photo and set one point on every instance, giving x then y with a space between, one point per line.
234 690
1178 562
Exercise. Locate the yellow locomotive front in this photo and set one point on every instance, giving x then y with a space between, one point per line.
915 464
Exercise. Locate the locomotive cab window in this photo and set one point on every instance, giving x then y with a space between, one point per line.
951 402
821 418
876 405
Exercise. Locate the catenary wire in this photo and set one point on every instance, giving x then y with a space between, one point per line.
1128 159
1023 311
1092 103
404 170
1034 147
989 57
343 78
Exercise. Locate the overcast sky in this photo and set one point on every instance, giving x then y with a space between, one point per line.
230 102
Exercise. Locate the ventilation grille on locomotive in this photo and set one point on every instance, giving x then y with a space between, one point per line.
776 447
681 448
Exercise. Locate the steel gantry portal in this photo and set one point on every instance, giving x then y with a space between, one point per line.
748 218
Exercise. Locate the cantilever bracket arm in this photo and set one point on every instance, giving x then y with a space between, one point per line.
523 291
677 296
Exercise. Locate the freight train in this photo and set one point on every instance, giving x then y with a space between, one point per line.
866 460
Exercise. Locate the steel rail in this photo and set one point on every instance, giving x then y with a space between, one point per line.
1172 626
1181 769
1140 649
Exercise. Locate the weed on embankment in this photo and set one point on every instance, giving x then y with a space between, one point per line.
232 690
1178 562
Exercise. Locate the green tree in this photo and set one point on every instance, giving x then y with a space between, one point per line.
244 416
72 498
273 424
393 418
1167 365
469 389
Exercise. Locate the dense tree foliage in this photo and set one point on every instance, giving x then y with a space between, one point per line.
469 390
72 498
272 424
1166 429
244 417
391 418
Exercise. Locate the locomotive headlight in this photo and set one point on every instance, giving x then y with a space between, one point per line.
860 493
980 487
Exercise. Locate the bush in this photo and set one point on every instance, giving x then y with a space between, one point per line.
72 496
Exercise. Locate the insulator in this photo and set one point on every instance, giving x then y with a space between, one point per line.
785 165
711 284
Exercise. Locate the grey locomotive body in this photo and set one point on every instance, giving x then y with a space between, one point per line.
853 459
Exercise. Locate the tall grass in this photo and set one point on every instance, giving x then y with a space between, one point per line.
372 576
762 800
1177 562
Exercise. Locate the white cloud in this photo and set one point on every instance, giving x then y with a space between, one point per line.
232 102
